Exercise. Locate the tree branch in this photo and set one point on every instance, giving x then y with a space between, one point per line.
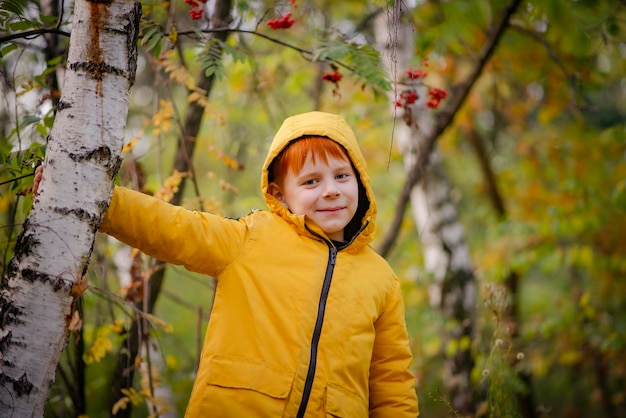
537 37
31 34
445 119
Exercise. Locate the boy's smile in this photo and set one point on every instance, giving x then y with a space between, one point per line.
328 194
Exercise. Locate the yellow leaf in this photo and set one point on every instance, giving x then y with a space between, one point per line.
131 144
99 348
170 186
117 326
173 36
120 404
171 362
159 322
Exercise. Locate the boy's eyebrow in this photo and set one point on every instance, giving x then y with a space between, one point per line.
310 172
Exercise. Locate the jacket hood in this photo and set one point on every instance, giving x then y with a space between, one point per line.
333 127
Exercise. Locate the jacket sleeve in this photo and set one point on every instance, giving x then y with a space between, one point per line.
392 385
202 242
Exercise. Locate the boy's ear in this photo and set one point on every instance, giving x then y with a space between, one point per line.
275 191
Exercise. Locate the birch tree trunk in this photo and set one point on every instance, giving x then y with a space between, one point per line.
83 156
446 254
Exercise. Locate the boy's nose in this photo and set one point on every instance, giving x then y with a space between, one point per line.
331 190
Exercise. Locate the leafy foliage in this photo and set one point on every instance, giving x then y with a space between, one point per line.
211 60
362 60
12 7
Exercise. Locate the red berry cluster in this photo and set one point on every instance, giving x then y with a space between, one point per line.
333 77
435 96
197 8
415 74
284 22
407 98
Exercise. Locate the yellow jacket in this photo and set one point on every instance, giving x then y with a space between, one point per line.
299 328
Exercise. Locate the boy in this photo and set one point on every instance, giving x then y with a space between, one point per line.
307 321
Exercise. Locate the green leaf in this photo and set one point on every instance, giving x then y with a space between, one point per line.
55 61
363 60
23 25
48 18
41 129
366 65
48 120
210 59
29 120
332 50
7 49
236 54
152 35
153 41
14 6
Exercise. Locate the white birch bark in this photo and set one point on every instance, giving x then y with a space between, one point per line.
446 254
83 156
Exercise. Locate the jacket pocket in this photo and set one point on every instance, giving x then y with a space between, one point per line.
345 404
242 374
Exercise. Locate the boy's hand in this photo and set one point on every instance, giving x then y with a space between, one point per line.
37 180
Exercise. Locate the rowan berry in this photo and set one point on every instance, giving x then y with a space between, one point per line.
284 22
333 77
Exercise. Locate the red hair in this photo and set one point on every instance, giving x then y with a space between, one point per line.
294 156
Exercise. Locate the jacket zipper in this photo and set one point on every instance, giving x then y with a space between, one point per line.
317 331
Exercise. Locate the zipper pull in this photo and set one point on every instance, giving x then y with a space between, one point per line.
333 255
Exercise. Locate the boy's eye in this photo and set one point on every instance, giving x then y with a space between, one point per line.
309 182
342 176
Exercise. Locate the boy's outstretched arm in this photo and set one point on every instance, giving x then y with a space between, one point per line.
201 242
392 385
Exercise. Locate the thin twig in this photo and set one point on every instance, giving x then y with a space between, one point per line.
537 37
17 178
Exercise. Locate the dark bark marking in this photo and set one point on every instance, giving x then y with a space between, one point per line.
132 35
25 242
114 166
22 386
57 283
32 276
63 105
79 213
5 342
11 272
101 154
102 205
9 314
97 69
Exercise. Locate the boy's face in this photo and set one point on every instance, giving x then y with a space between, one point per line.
326 193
